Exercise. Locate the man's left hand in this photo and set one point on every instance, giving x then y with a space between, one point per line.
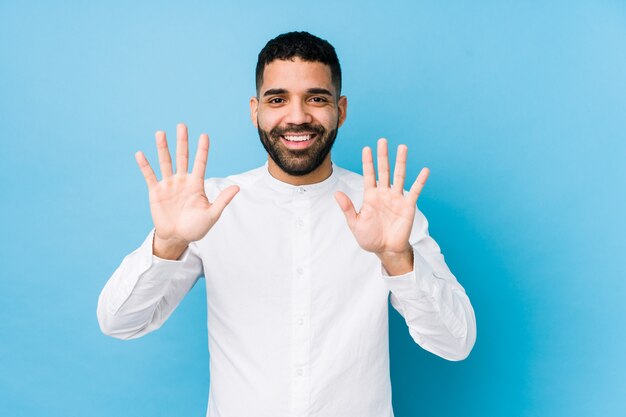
383 225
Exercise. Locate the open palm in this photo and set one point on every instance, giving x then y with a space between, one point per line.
180 209
383 224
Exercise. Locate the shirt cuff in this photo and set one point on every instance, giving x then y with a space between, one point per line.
156 260
149 266
415 284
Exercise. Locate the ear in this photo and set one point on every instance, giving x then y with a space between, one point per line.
254 107
342 105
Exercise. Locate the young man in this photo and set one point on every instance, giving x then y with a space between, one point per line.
297 279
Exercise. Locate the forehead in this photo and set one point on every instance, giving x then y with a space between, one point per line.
296 75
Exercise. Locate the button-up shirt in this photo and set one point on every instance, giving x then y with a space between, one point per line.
297 311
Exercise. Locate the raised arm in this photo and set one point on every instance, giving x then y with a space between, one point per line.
150 282
435 307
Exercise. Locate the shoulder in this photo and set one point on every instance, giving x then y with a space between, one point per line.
347 179
243 180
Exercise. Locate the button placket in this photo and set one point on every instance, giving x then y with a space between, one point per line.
301 302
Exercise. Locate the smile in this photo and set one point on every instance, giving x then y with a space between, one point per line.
298 138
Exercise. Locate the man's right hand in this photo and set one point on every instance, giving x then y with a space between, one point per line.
180 209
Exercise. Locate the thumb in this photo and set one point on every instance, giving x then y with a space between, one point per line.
347 207
223 199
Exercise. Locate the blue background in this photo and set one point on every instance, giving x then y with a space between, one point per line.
518 108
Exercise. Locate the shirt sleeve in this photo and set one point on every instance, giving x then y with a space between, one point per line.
144 291
434 305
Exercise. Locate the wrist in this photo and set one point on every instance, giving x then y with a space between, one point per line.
397 263
170 249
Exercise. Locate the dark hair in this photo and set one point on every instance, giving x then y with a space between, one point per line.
304 46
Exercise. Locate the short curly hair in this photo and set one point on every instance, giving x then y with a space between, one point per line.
304 46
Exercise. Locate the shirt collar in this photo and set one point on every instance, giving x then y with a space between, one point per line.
285 188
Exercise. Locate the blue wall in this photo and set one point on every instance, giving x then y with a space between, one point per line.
518 108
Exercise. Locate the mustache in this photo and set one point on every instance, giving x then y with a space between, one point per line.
303 128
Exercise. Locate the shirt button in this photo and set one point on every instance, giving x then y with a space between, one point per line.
301 190
300 222
300 271
299 371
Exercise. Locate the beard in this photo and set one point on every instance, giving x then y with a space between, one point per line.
298 162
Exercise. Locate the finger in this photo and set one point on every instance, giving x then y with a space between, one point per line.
417 186
146 169
347 207
369 175
202 154
383 163
165 162
399 171
223 199
182 149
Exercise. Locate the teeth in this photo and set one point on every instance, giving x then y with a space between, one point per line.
297 138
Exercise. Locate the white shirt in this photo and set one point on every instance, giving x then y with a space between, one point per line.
297 311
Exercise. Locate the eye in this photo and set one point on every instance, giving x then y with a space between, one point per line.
318 99
276 100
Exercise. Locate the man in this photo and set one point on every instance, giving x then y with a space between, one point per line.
297 279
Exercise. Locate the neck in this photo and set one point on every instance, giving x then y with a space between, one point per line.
320 174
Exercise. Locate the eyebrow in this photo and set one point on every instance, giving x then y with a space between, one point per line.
278 91
274 91
321 91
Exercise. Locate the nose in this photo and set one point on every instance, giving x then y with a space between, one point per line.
298 113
